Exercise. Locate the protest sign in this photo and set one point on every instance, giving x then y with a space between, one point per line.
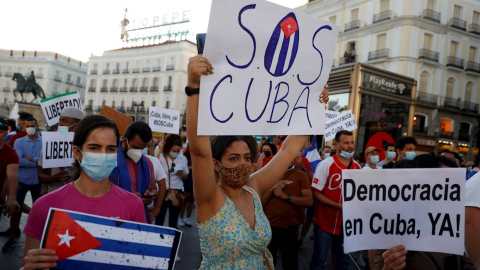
164 120
119 118
53 106
84 241
271 64
331 114
422 209
57 149
345 121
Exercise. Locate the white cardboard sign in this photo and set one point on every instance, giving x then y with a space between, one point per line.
331 114
57 149
53 106
271 64
164 120
345 121
422 209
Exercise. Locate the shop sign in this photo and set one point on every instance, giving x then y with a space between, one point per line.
384 84
426 142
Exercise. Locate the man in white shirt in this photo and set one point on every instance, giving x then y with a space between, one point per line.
160 176
372 158
389 155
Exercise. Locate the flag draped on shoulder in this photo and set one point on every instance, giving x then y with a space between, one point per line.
84 241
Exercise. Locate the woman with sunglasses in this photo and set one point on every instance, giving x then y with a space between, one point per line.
95 148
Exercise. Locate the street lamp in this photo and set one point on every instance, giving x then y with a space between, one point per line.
137 105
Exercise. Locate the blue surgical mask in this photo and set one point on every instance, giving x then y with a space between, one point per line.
346 155
62 129
469 168
145 151
327 155
172 154
391 155
374 159
410 155
98 166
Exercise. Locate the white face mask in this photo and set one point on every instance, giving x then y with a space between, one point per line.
134 154
64 128
31 131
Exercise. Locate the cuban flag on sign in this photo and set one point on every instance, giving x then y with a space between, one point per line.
283 46
84 241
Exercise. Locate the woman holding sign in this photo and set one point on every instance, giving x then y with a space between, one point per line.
234 232
95 150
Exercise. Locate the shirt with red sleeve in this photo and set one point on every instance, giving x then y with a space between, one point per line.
8 156
117 203
328 181
19 135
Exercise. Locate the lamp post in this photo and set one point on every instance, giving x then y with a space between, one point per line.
137 105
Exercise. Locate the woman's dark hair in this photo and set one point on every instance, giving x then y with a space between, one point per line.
252 144
425 161
221 143
83 130
171 141
272 146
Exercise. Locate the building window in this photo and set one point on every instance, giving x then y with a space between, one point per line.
354 15
333 19
431 4
147 64
450 84
105 83
155 81
468 91
115 83
446 128
145 82
113 102
472 55
93 83
427 41
381 41
95 67
125 83
134 83
476 18
464 132
103 102
457 12
453 48
384 5
69 77
424 77
79 80
420 124
167 104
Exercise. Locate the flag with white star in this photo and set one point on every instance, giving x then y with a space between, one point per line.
84 241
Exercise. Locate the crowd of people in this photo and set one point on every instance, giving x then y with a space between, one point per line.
252 200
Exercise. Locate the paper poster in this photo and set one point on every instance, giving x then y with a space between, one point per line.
53 106
119 118
422 209
84 241
331 114
270 66
57 149
164 120
345 121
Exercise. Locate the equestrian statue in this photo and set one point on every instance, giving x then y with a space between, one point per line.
27 86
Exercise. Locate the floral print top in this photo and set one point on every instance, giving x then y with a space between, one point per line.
228 242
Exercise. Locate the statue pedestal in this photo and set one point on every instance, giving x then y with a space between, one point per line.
33 109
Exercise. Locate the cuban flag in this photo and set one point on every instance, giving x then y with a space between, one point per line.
312 155
283 46
84 241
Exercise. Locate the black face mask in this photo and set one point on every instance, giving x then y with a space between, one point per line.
332 153
267 154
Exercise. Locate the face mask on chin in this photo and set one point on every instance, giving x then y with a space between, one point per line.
346 155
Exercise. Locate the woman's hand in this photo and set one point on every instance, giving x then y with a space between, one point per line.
324 95
39 259
394 258
197 66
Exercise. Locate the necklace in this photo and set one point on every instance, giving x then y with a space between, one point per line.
76 185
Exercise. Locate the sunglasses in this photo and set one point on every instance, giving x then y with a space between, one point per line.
173 167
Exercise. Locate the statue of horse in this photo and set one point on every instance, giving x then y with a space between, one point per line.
27 87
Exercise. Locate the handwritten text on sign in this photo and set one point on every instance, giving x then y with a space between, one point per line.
57 149
53 106
164 120
422 209
331 114
345 121
271 63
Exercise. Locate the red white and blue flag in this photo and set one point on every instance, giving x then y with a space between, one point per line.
84 241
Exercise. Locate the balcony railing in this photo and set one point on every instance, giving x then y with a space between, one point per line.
153 88
170 67
446 134
146 69
167 88
144 89
88 107
458 23
426 98
92 89
385 15
453 103
6 89
133 89
114 89
474 28
123 89
69 82
57 78
131 109
93 71
453 61
352 25
464 137
8 73
469 106
38 75
378 54
126 70
429 55
116 71
136 70
420 130
79 84
431 15
121 108
157 68
345 61
104 89
106 71
473 66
